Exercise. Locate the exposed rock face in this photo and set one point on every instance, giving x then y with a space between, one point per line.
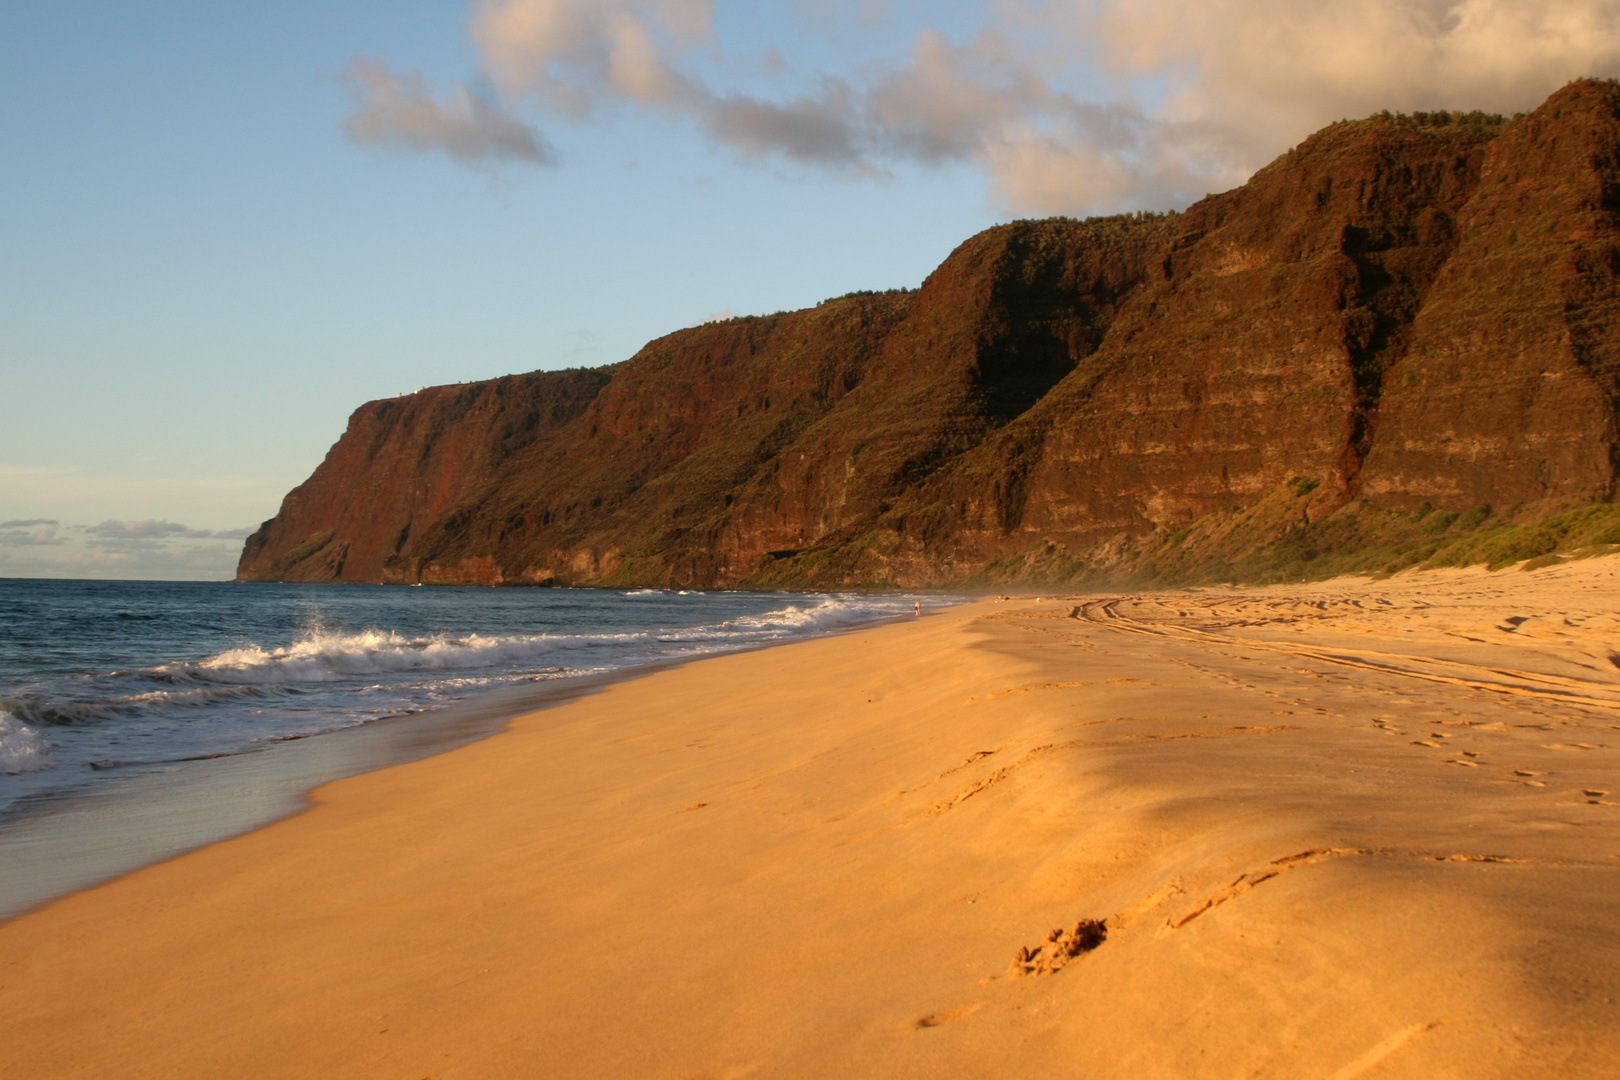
1507 392
1399 311
402 463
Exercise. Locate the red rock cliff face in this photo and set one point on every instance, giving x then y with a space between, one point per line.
1254 354
400 465
1507 392
1400 310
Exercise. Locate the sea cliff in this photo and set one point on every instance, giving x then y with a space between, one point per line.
1398 342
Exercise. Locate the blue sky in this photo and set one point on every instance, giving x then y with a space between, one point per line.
217 241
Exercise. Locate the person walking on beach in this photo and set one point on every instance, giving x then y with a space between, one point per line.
919 607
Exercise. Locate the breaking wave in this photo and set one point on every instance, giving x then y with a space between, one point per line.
22 749
826 614
321 656
66 712
324 657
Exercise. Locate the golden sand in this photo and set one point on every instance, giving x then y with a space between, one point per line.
1341 830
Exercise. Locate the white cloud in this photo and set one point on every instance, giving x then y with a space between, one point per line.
129 541
118 531
577 55
402 111
34 532
811 131
150 548
1068 106
198 562
1244 79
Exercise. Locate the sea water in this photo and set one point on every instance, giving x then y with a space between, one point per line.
140 718
100 678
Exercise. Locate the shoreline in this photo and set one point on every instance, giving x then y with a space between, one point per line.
1309 836
63 843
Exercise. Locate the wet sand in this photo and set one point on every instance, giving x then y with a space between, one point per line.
1337 830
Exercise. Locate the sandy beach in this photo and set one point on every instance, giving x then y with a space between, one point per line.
1347 829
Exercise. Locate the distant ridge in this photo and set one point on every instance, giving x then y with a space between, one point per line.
1399 342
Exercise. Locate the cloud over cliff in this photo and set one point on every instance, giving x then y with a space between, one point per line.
403 111
1067 106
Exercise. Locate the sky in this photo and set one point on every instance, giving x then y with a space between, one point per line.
225 226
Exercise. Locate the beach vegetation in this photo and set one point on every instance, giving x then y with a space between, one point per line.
1269 543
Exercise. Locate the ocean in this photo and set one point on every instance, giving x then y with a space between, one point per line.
140 718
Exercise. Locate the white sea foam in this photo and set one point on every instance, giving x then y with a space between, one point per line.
324 657
22 749
825 613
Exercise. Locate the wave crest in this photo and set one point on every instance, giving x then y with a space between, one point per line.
827 612
68 712
22 749
323 657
